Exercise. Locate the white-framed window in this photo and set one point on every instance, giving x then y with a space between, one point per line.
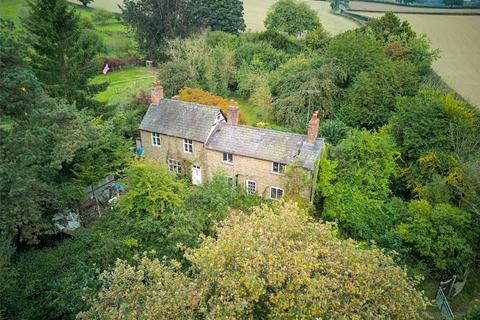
227 157
251 186
187 145
276 193
278 167
156 139
174 166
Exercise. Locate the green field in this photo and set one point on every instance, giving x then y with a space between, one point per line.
12 9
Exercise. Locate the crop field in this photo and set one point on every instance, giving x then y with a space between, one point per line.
256 10
383 7
458 38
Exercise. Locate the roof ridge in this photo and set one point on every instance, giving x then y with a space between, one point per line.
267 129
193 104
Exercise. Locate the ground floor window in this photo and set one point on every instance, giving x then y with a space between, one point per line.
251 187
174 166
276 193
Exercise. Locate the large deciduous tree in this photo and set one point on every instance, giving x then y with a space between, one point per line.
371 98
292 17
274 263
63 52
222 15
155 21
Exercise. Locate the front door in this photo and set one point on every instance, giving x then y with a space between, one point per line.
196 175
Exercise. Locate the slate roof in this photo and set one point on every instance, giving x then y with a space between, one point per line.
180 119
265 144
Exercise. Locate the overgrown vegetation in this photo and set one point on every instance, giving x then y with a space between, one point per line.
401 171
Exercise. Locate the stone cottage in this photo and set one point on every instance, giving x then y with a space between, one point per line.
198 141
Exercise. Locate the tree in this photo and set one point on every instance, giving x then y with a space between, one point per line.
354 51
176 75
440 235
222 15
317 39
155 21
86 2
428 121
153 190
304 85
291 17
18 85
355 184
200 65
371 99
453 3
274 263
204 97
390 28
63 52
333 131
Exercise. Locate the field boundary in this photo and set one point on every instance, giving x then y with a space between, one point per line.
420 5
418 12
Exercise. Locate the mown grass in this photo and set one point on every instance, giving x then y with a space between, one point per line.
12 9
124 84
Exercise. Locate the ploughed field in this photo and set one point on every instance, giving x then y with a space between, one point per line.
256 10
458 38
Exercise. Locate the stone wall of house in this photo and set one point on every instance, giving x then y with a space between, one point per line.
245 168
172 148
210 161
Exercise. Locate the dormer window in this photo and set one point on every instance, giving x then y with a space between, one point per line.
155 139
188 146
278 167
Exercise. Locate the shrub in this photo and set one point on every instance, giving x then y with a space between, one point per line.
204 97
333 131
176 75
118 63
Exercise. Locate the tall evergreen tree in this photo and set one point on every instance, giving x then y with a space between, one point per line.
63 51
222 15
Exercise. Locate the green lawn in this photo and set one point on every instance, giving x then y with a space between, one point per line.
125 83
12 9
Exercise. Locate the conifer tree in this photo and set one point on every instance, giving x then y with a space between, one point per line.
63 51
223 15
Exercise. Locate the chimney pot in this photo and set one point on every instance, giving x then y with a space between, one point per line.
233 112
157 92
313 128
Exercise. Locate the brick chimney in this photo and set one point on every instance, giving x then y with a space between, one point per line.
233 112
157 92
313 128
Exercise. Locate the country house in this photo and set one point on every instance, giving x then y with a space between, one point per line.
198 141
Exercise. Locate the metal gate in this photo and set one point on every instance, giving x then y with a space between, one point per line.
443 305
